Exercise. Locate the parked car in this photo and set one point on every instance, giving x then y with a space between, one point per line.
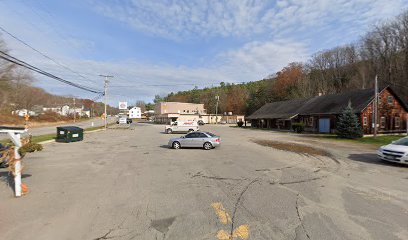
205 140
397 151
200 122
124 120
189 126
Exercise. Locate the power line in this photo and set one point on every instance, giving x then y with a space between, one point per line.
44 55
21 63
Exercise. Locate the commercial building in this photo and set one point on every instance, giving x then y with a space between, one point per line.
320 114
166 112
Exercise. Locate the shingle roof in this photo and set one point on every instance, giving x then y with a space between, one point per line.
281 110
328 104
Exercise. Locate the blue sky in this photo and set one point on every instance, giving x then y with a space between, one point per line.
146 43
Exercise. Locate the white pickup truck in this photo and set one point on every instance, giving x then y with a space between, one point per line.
189 126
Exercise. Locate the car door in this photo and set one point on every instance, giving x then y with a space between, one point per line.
188 140
199 139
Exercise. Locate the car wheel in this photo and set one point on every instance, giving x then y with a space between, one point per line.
207 146
169 131
191 130
176 145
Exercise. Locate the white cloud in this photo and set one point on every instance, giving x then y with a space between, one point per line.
187 19
253 61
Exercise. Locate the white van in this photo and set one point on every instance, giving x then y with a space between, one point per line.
189 126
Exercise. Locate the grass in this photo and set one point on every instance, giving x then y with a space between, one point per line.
375 141
370 140
51 136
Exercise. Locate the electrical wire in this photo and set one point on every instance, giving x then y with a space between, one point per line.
44 55
21 63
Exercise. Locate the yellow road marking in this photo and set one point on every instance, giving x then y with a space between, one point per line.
241 232
223 216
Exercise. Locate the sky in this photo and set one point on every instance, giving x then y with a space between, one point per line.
162 46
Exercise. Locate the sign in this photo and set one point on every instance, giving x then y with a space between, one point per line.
122 105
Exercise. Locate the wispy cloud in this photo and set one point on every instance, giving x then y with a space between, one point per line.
186 19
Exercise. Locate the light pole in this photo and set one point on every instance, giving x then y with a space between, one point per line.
216 109
105 93
375 108
74 110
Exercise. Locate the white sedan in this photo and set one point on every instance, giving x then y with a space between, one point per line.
397 151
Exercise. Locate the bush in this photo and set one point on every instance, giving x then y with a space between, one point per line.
240 123
298 127
30 147
348 125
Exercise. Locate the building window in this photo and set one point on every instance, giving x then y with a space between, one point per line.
311 121
382 123
390 100
365 121
397 122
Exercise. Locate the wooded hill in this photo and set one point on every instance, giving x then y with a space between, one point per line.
383 51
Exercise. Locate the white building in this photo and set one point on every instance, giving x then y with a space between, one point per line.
135 112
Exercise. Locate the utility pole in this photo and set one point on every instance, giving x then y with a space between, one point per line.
105 93
216 109
375 108
74 110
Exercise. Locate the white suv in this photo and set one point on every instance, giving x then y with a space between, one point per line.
397 151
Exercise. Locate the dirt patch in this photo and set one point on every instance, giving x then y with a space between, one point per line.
293 147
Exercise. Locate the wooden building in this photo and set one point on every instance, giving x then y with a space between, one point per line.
320 114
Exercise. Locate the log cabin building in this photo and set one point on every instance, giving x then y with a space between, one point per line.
320 114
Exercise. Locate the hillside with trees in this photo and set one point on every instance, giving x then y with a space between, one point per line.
383 51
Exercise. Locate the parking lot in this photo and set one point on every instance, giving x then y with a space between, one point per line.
125 183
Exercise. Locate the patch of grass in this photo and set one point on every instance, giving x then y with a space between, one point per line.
42 138
375 141
293 147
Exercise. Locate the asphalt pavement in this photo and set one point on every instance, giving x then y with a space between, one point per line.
125 183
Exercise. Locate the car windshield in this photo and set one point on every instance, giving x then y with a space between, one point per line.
402 142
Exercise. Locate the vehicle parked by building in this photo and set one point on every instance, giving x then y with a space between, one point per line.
397 151
180 127
124 120
205 140
200 122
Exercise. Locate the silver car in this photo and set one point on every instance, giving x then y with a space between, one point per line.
204 140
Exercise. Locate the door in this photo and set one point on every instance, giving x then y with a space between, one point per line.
324 125
188 140
199 139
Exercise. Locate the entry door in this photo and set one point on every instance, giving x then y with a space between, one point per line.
324 125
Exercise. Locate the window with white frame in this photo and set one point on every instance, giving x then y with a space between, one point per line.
397 122
382 122
390 100
365 121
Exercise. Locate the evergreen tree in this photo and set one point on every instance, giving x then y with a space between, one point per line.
348 125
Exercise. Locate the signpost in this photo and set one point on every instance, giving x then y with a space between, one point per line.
15 136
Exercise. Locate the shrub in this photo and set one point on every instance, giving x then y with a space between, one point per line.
348 125
298 127
30 147
240 123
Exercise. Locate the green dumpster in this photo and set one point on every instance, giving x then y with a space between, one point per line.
70 134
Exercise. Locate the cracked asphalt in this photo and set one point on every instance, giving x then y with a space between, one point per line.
126 184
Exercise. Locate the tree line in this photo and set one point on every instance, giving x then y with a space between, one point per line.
382 52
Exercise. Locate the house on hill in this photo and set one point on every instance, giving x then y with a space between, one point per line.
320 114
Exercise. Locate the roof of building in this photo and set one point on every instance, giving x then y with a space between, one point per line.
327 104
